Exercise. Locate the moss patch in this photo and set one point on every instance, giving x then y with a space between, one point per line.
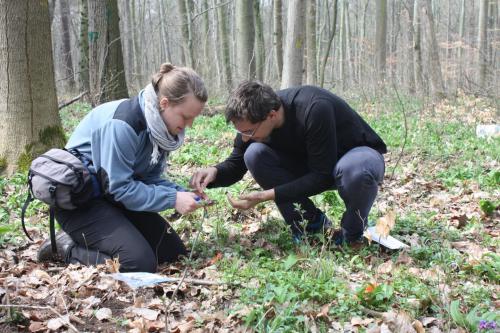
49 137
3 164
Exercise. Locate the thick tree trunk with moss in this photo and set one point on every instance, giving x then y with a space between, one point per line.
29 119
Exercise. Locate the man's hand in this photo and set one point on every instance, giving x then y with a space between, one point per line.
186 202
247 201
202 178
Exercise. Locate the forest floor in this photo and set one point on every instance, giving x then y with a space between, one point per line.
444 193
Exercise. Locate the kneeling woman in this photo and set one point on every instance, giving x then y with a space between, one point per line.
128 142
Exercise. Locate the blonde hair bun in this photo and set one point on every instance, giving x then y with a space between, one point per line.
166 67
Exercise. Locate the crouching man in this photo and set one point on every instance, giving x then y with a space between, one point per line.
296 143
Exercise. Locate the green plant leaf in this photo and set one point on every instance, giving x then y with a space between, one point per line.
290 261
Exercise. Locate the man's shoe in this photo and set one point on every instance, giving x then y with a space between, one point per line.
64 244
321 224
339 239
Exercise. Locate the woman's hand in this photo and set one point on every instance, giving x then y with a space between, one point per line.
186 202
202 178
247 201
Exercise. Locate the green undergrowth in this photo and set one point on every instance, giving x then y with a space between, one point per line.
281 286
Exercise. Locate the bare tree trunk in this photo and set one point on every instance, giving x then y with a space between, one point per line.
363 60
245 38
185 32
29 119
216 49
343 44
135 46
224 38
164 49
97 45
380 38
311 71
482 42
68 75
278 35
409 49
417 46
84 47
435 65
329 46
462 43
128 43
206 38
294 47
259 42
113 81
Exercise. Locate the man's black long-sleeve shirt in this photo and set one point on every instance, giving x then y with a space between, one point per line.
319 128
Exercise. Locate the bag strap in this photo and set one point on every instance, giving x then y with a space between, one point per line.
53 244
29 199
52 231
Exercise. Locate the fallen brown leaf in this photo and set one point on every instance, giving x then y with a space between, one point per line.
37 326
386 223
103 314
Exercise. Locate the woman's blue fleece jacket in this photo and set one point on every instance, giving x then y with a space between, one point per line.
115 137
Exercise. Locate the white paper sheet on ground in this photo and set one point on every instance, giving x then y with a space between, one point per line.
140 279
389 241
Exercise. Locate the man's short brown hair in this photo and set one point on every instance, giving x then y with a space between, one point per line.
252 101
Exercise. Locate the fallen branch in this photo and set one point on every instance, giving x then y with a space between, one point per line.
38 307
373 313
195 281
71 101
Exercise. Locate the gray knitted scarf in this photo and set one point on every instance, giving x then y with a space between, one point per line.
158 132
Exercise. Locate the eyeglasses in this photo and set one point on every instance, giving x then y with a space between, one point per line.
249 133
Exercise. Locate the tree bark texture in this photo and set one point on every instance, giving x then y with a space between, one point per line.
381 38
28 103
113 81
294 46
245 38
435 65
311 69
278 35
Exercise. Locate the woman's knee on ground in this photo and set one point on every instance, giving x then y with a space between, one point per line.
137 260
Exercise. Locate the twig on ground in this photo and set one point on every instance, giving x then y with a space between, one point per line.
406 133
184 273
195 281
39 307
372 313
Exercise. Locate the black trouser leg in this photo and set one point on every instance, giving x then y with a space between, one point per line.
101 230
357 177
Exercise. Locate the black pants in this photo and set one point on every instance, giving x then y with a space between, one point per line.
357 176
140 240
